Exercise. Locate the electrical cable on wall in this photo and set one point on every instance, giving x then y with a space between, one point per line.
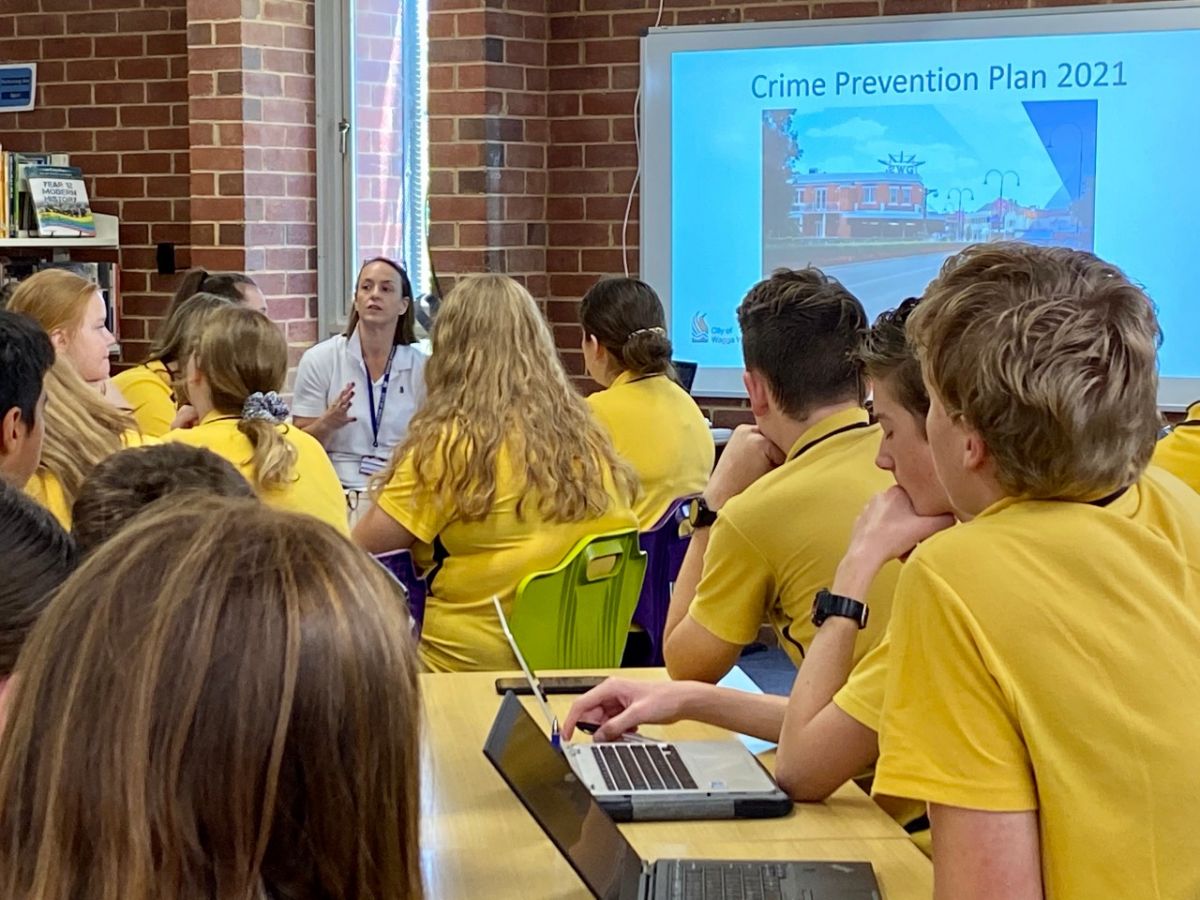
637 173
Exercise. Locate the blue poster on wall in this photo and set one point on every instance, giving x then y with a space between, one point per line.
18 83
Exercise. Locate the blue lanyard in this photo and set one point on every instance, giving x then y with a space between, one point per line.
377 414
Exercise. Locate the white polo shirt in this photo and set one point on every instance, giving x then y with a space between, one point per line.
327 368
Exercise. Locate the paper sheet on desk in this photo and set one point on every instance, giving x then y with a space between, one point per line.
740 681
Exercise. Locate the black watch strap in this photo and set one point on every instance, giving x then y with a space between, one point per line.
701 516
827 604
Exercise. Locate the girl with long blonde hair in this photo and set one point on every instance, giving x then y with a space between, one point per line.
82 430
503 471
256 737
234 376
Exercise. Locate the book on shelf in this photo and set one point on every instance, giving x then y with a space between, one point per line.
60 201
17 217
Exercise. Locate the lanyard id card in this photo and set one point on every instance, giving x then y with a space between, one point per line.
371 465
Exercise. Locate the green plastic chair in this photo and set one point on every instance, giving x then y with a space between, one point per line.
577 615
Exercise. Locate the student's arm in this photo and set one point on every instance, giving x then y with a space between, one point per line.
821 746
980 855
619 706
377 532
691 650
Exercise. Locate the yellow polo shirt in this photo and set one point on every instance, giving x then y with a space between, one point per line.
46 489
1179 451
314 489
657 428
475 561
780 541
1046 656
147 389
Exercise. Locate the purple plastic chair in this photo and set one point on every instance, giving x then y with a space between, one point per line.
399 564
664 549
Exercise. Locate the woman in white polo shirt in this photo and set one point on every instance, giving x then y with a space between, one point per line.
356 392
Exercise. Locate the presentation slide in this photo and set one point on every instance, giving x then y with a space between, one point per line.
877 161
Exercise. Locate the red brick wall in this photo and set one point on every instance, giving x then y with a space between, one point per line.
484 72
112 92
194 123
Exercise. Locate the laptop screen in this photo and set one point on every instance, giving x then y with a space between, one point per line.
540 776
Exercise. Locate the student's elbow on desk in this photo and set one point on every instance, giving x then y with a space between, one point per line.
692 653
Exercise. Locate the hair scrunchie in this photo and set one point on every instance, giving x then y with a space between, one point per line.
268 407
655 330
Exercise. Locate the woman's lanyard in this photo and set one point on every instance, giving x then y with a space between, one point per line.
377 414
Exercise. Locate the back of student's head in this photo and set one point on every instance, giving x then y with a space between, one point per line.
255 736
233 286
128 482
82 428
36 556
182 326
243 356
1050 354
626 317
56 298
495 378
25 355
800 329
886 354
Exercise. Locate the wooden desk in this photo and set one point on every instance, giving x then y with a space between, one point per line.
478 840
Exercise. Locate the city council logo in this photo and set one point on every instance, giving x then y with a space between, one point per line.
699 329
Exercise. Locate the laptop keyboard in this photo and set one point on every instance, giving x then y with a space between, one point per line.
692 880
641 767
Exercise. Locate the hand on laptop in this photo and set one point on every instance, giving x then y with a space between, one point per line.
747 457
619 705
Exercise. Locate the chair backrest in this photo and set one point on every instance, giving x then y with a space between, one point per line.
399 564
577 615
664 548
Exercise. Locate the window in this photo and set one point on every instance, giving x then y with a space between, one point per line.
868 193
371 145
906 195
893 194
821 197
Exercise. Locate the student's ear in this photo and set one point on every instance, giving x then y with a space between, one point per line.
758 391
58 337
975 452
12 428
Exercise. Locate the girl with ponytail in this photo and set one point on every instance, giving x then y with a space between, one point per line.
655 426
234 375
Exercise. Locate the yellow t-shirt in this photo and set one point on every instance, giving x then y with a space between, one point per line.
780 541
1179 451
314 488
658 429
475 561
1046 656
147 389
46 489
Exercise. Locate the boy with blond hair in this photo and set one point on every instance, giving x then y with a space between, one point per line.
1041 650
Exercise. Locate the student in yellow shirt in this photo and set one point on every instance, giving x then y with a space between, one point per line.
82 429
828 729
1179 450
777 513
73 313
233 379
1044 653
655 426
503 471
153 389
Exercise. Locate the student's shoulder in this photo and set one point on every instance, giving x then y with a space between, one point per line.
140 374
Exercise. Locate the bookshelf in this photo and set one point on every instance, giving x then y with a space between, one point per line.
107 237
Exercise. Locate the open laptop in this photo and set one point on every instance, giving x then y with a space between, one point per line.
686 373
608 864
642 779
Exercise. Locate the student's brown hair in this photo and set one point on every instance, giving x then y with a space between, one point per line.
241 352
128 482
36 556
230 285
1050 354
886 354
800 329
626 317
256 735
405 329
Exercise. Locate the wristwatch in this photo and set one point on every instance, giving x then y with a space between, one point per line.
827 604
699 515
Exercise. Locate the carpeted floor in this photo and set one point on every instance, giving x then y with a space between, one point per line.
769 668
